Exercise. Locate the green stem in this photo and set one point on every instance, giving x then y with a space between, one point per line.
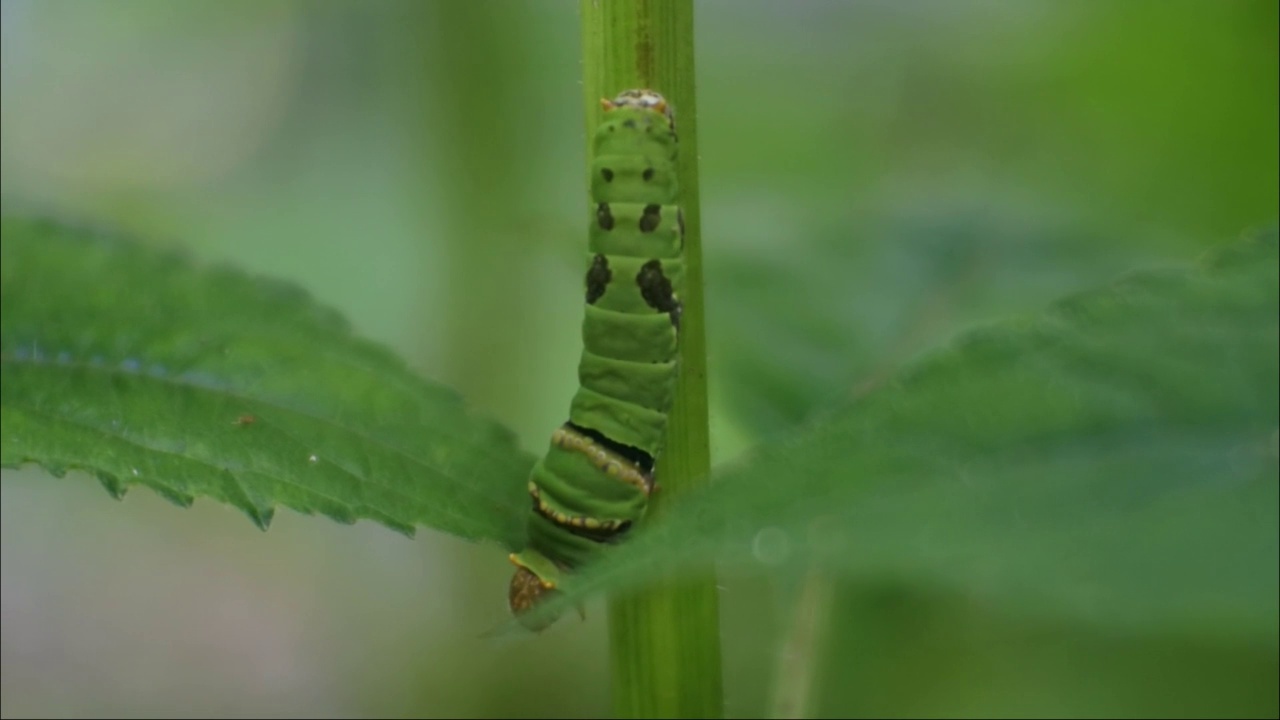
665 638
798 663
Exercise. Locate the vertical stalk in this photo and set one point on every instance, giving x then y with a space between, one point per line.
798 663
469 54
665 638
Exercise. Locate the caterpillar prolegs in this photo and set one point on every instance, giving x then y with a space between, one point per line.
596 478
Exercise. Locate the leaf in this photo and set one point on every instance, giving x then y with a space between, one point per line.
142 368
1112 459
820 312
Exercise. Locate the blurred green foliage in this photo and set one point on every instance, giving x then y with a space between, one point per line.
876 177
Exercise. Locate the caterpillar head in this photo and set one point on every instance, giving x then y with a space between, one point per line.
641 99
529 588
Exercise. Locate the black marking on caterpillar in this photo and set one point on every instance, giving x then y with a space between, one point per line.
582 527
604 216
598 277
656 289
651 218
635 456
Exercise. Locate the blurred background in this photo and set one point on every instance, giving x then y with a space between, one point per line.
876 176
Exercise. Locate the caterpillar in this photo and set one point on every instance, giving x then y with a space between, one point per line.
595 479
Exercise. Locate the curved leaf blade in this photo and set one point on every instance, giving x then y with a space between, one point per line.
1112 459
143 368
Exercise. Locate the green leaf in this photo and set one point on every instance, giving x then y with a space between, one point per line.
143 368
1111 460
819 312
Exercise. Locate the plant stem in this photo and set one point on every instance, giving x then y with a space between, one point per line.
665 638
798 663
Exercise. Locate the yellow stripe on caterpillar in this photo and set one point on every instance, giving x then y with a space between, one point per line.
561 518
608 462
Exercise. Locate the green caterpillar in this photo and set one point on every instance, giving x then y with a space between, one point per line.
596 478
